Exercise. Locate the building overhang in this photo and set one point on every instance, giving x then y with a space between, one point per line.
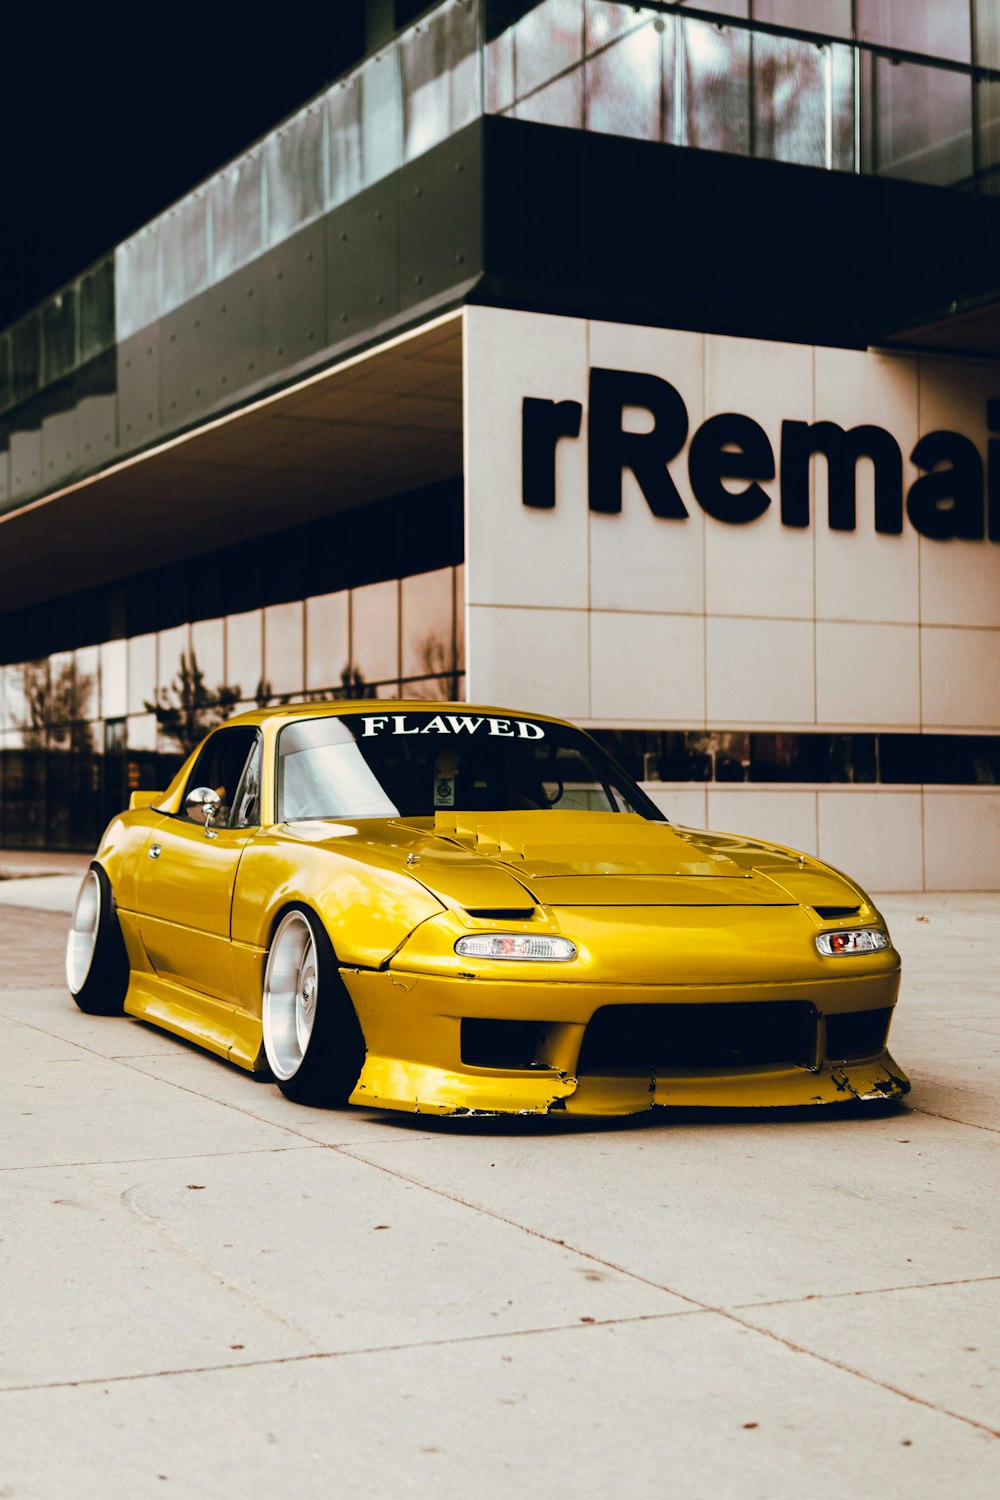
381 422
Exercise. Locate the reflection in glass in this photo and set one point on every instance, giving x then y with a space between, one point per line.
137 281
244 659
88 666
829 17
97 309
141 672
380 116
547 41
113 679
559 103
498 69
626 71
375 631
25 357
917 122
59 333
713 99
208 647
236 197
939 28
343 105
142 732
184 245
174 646
427 624
440 77
803 102
284 665
460 618
327 644
295 185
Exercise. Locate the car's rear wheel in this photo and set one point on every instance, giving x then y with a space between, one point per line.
312 1040
96 961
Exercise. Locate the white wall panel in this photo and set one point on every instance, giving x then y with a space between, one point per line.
876 837
655 660
959 580
868 674
534 659
782 815
760 672
962 840
683 805
517 555
961 678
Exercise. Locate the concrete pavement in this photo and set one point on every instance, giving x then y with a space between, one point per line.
210 1291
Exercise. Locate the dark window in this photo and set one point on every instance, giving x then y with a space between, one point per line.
224 764
416 763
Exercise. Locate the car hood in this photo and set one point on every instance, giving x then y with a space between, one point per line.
564 859
508 862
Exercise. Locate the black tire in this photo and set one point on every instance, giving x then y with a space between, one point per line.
97 969
322 1068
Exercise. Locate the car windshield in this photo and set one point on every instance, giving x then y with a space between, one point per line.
413 764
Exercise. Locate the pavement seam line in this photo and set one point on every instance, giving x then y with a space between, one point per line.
871 1291
325 1354
722 1312
933 1114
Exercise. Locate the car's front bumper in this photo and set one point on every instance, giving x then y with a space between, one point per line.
413 1031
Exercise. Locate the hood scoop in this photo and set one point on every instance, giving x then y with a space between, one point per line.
539 845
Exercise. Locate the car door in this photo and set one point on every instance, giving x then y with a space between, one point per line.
186 876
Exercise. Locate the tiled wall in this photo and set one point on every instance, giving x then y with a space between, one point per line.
632 620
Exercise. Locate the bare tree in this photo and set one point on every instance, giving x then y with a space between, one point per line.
187 710
56 705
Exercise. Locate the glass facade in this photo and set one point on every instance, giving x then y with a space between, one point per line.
908 90
844 759
886 89
81 729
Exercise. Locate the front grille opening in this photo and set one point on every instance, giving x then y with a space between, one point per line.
831 913
502 913
501 1044
862 1034
711 1037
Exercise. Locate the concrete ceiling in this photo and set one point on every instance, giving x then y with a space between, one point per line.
974 330
376 425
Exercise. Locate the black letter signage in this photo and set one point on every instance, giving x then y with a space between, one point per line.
947 502
645 453
730 446
543 423
799 440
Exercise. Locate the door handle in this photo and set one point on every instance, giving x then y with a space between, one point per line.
155 850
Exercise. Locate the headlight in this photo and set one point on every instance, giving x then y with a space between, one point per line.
855 940
516 945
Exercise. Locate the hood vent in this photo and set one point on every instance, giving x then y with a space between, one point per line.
502 913
831 913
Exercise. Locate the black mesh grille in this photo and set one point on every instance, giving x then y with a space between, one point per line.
862 1034
680 1037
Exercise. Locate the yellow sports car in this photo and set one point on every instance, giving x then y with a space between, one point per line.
459 910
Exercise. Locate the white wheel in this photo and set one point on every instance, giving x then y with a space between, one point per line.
81 941
96 961
291 985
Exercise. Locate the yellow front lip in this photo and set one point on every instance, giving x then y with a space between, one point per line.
412 1026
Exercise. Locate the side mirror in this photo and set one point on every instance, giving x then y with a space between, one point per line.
202 805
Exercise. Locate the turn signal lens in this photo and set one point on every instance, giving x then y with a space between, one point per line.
516 945
855 940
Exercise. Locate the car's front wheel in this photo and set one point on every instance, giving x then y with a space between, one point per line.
96 961
312 1040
